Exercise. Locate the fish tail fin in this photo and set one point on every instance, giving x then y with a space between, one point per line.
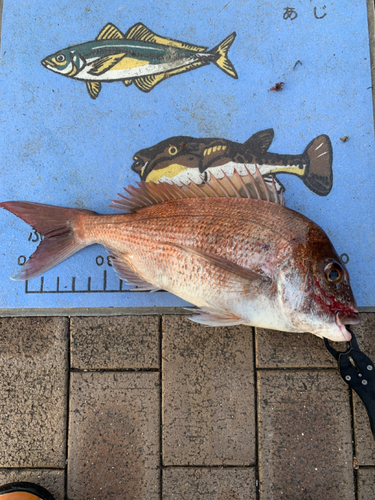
318 174
221 56
59 226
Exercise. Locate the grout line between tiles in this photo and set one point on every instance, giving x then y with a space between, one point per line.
298 368
218 467
257 439
355 472
11 469
113 370
69 362
160 404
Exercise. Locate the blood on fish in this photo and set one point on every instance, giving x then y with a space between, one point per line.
334 305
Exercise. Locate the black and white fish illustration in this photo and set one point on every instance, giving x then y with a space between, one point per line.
183 158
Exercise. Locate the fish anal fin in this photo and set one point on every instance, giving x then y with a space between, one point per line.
212 315
140 32
104 64
110 32
224 264
260 142
147 83
93 88
127 273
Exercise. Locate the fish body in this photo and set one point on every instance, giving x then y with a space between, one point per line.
139 56
185 158
240 260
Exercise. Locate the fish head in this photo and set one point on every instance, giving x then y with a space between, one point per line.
66 62
316 291
168 158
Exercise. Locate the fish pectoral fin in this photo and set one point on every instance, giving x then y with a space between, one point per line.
147 83
93 88
223 263
110 32
211 315
140 32
127 273
104 64
261 141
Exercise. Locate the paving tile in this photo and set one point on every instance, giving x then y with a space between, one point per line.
52 480
115 342
364 441
113 445
305 437
291 350
33 391
365 334
208 394
209 484
366 484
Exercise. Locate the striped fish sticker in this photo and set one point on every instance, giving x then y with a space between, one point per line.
139 56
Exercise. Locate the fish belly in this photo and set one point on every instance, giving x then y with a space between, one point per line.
134 68
193 174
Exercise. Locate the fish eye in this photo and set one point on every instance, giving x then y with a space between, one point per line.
60 58
333 272
172 150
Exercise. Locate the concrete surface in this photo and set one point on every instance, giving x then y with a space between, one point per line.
157 407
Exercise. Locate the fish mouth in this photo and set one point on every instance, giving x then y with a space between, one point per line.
342 320
47 64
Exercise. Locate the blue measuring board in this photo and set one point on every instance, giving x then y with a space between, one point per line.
70 128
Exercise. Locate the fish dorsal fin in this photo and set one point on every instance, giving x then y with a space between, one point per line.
93 88
260 141
105 63
147 83
141 33
126 273
110 32
236 186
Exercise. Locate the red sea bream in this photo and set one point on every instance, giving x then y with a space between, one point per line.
229 247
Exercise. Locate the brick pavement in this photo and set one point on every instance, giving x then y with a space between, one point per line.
151 407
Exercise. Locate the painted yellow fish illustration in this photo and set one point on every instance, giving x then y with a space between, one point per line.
184 158
140 56
229 247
